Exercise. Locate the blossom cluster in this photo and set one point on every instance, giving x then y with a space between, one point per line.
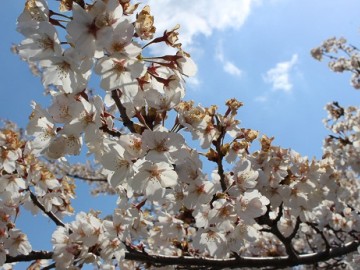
26 181
343 57
269 202
344 142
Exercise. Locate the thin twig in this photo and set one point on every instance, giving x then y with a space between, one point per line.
87 178
111 132
296 228
273 228
326 242
50 214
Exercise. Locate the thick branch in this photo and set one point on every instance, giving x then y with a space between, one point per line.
257 262
126 120
32 256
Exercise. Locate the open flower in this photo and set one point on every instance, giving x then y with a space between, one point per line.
244 177
91 31
17 243
120 72
118 161
185 64
41 44
64 108
66 71
35 12
41 126
251 205
161 145
210 240
153 178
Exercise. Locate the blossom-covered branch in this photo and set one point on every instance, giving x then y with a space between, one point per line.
50 214
219 201
237 262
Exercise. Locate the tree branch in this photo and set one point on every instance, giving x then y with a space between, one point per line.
220 155
237 262
87 178
296 228
326 242
126 120
272 223
50 214
32 256
51 266
256 262
113 133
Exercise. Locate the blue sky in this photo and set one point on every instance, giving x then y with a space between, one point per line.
234 56
242 48
274 32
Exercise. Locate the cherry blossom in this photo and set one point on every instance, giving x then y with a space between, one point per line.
161 145
35 12
43 43
17 243
91 31
64 108
119 162
120 72
231 199
65 72
153 178
42 127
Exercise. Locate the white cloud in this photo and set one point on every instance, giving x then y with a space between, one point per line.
279 76
193 81
219 52
232 69
228 66
200 16
261 99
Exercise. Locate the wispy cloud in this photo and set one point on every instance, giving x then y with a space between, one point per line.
228 66
232 69
194 81
261 99
279 76
200 16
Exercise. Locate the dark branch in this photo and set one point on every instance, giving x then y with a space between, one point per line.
91 179
273 228
237 262
256 262
111 132
51 266
326 242
296 228
126 120
50 214
220 155
32 256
